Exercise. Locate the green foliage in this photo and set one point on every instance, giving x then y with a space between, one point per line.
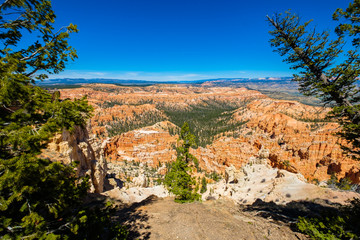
343 226
40 199
286 163
91 223
214 176
180 182
178 179
49 51
207 120
330 228
350 24
316 181
119 126
203 185
188 140
110 104
343 184
314 56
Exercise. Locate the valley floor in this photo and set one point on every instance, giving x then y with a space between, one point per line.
157 218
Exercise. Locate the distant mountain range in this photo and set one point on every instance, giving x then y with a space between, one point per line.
216 82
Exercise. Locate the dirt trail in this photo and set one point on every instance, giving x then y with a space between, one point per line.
212 220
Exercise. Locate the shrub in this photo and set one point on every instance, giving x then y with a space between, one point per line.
345 225
203 185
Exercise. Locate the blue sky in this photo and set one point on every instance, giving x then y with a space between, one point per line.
180 39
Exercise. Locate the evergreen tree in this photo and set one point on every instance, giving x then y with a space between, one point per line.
178 179
351 19
315 56
39 199
203 185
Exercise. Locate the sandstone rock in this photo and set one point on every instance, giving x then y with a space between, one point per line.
261 181
295 143
353 175
136 194
152 145
279 174
232 174
76 146
264 154
141 181
294 133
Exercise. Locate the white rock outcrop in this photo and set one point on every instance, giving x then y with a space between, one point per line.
258 180
140 181
77 146
136 194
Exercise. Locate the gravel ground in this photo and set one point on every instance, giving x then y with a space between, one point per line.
159 219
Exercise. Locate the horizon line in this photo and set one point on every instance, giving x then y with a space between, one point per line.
172 80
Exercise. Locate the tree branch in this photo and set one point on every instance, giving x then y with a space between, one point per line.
32 72
4 3
308 62
42 48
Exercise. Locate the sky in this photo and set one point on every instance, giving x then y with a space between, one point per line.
180 39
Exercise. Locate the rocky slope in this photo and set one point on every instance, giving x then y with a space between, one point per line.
77 146
140 106
253 202
305 147
152 145
258 180
297 136
166 220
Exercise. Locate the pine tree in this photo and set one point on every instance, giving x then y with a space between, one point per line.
39 199
178 179
315 56
203 185
351 19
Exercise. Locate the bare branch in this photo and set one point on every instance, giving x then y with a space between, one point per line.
4 3
42 48
32 72
8 108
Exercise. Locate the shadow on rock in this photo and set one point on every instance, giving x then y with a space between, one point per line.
136 219
288 214
112 182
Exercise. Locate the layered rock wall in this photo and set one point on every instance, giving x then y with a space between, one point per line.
151 145
298 136
77 146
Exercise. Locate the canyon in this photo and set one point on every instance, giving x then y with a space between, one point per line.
265 161
140 124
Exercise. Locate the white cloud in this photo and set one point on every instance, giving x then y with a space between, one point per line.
168 76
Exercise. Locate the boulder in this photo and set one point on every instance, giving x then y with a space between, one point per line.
232 175
140 181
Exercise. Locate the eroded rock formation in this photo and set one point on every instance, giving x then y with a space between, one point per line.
259 180
298 136
151 145
77 146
